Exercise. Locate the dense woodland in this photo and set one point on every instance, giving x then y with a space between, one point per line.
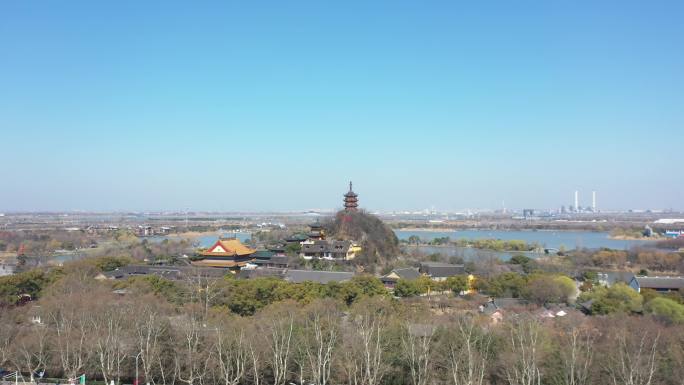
231 331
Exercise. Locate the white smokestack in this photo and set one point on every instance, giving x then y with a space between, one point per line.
593 201
576 200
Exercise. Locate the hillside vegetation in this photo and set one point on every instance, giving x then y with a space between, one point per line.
378 241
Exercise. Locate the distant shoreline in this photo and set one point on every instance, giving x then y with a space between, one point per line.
194 234
197 234
628 238
455 230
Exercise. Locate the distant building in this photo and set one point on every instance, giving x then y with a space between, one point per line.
316 232
227 253
270 258
390 279
145 231
142 230
167 272
296 238
439 271
609 278
660 284
496 307
7 268
669 221
337 250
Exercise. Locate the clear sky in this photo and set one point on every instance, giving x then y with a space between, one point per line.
142 105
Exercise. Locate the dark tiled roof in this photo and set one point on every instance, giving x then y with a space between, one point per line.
660 282
317 276
169 272
441 270
407 273
261 272
403 273
297 238
503 303
274 260
613 277
263 254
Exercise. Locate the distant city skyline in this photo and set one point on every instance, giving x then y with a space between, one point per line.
224 107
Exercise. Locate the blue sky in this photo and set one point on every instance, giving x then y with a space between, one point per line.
132 105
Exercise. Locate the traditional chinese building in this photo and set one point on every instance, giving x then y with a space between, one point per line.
351 199
227 253
338 250
316 231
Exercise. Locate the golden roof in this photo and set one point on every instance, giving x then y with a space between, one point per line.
228 248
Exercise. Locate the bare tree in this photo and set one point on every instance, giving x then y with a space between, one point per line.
31 350
71 331
109 341
206 290
416 341
633 361
149 330
524 343
191 359
255 360
466 352
7 335
577 354
365 359
319 343
279 332
350 367
232 354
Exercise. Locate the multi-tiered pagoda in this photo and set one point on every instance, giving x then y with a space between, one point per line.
351 200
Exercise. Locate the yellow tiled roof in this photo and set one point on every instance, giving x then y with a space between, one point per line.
232 247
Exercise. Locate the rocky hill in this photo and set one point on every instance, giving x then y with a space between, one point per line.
378 241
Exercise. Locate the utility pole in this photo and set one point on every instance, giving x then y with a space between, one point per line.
136 367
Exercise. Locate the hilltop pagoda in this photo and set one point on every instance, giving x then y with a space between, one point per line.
351 200
227 253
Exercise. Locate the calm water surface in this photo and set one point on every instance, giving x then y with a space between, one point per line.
547 239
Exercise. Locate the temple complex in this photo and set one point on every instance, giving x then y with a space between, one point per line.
351 200
227 253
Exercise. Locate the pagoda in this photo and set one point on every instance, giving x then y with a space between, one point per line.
351 200
316 231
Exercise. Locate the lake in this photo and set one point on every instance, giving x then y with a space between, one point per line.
547 239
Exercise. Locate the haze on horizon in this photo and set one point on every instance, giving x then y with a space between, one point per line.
264 106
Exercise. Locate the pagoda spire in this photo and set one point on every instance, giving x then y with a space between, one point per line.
351 201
